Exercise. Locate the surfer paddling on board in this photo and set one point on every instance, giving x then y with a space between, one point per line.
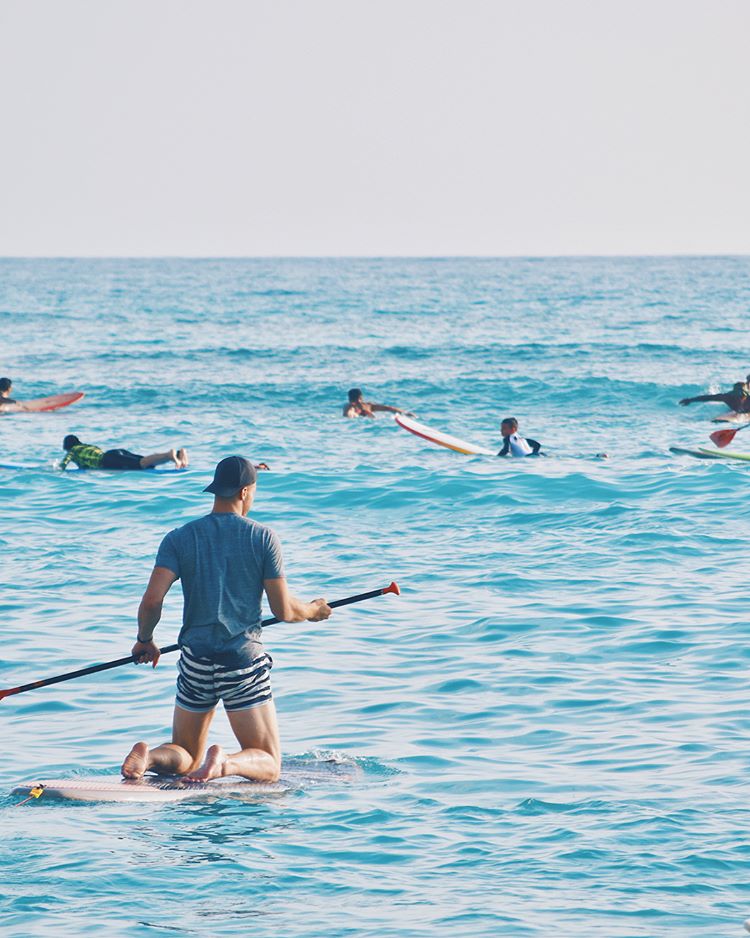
513 443
225 561
6 386
738 399
86 456
358 407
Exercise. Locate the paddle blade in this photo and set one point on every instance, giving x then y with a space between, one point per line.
722 437
393 588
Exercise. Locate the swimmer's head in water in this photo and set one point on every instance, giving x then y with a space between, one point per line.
70 441
508 426
5 385
355 394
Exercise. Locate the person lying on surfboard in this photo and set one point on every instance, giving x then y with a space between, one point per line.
513 443
86 456
6 386
738 399
225 561
358 407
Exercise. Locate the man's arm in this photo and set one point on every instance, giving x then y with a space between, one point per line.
391 410
65 460
534 445
506 447
149 613
287 608
705 397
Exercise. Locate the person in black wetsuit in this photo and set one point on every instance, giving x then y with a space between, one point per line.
738 399
6 386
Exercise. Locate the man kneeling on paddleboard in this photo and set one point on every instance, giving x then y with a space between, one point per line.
225 561
86 456
513 443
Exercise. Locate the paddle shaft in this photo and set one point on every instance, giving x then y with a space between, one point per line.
107 665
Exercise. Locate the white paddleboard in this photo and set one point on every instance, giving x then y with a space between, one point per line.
297 775
441 439
732 416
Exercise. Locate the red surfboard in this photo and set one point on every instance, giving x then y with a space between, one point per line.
41 403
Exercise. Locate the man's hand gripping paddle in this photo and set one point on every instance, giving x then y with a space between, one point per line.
107 665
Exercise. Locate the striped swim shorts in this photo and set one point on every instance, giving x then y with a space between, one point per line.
240 680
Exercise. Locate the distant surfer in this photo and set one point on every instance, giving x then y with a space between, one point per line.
738 399
513 443
86 456
356 406
225 561
6 386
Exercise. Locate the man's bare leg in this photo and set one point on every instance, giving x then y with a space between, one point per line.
257 733
181 756
156 459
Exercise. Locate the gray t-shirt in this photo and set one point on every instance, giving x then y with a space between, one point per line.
222 560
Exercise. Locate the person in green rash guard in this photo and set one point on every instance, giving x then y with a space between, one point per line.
86 456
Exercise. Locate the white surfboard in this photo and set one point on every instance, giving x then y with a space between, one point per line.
297 775
440 438
733 417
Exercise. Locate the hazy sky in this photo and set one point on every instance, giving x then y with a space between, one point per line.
241 127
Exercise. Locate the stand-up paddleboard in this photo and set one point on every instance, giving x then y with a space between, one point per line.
442 439
40 404
703 453
297 775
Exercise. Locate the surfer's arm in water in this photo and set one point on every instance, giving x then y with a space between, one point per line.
391 410
534 445
149 613
287 608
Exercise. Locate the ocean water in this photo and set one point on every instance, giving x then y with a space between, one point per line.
551 721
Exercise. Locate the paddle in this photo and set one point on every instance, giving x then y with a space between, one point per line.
105 666
724 437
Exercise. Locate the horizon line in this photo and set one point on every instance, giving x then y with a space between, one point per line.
371 257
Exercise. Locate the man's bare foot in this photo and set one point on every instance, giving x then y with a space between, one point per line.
136 762
213 765
182 456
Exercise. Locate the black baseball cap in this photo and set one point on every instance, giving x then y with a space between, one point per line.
231 475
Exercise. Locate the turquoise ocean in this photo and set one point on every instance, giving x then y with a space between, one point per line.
551 722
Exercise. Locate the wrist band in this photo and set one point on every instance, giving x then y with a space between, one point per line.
143 641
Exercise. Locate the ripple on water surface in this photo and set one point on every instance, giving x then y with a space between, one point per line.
551 719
